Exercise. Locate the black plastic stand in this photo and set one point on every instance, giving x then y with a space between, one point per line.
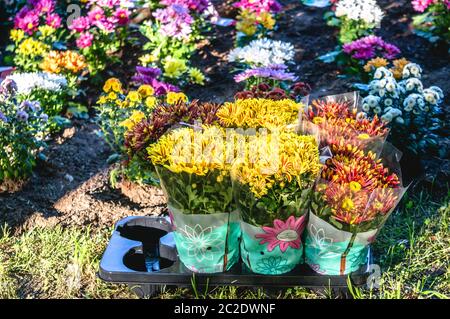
142 254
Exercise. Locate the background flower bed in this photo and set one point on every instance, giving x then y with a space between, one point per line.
71 187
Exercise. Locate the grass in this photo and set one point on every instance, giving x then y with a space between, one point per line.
413 250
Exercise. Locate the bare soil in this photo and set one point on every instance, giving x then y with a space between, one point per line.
72 186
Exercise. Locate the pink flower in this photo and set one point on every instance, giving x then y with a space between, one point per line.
283 234
27 20
96 15
45 6
80 24
122 16
53 20
421 5
85 40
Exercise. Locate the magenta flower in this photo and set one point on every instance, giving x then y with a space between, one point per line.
44 6
283 234
96 15
80 24
259 6
54 20
175 21
85 40
370 47
27 20
122 16
421 5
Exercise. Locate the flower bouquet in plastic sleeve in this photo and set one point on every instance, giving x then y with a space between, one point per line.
273 182
354 196
194 175
338 119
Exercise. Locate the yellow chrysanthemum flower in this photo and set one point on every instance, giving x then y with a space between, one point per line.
134 97
134 119
112 84
150 102
255 113
32 48
267 20
174 68
147 59
176 97
196 76
17 35
46 31
146 90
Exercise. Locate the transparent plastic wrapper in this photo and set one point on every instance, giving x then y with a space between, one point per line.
338 119
274 205
343 225
206 241
195 179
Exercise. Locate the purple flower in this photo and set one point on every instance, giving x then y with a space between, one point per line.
3 117
145 75
44 117
44 6
8 87
22 116
275 72
370 47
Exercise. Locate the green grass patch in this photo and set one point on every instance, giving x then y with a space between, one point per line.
412 250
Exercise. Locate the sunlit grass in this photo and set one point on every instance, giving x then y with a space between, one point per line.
412 250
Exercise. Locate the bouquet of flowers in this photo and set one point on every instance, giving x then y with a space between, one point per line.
102 31
173 38
338 119
146 132
259 113
21 135
194 171
434 21
410 110
274 175
355 18
255 19
37 29
354 197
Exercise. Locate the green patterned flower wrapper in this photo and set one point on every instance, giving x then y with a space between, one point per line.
326 246
273 250
206 243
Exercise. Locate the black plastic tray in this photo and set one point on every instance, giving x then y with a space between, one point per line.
124 261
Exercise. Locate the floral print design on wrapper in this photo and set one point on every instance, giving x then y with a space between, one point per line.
201 243
322 245
273 265
283 234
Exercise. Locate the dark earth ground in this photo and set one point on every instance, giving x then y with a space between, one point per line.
72 186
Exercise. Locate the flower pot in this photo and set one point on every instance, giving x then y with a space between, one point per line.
273 250
330 251
206 243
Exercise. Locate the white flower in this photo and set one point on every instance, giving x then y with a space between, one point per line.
382 73
387 118
399 120
365 10
201 243
412 84
438 90
365 107
263 52
412 69
388 102
371 100
377 110
27 82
